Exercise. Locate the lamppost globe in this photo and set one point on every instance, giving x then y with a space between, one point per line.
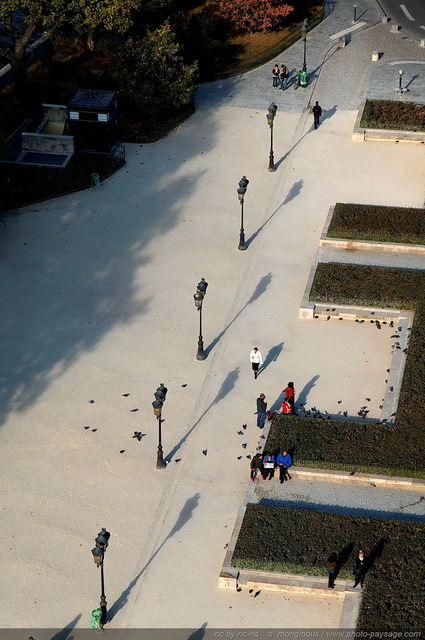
157 408
97 556
198 297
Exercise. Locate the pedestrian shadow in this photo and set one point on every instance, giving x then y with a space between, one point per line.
328 113
302 396
63 634
226 387
284 157
272 356
292 193
185 515
259 290
277 404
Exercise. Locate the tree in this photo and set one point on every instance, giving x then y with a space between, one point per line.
151 75
23 18
251 15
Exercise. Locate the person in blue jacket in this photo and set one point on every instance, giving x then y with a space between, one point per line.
284 461
268 463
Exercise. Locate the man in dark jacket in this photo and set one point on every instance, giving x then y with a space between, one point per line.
261 411
257 466
317 113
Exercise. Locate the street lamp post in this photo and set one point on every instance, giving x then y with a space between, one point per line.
270 117
243 183
304 37
400 81
157 410
98 552
198 299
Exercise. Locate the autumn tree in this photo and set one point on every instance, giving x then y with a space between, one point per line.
151 75
251 15
23 18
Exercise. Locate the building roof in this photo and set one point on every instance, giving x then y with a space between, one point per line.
93 98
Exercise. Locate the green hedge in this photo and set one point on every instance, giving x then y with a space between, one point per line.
393 114
375 448
374 222
284 539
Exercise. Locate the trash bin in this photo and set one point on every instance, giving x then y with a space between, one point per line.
303 78
95 180
96 615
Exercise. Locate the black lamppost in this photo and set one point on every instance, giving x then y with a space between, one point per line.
157 410
98 556
304 37
243 183
270 117
198 298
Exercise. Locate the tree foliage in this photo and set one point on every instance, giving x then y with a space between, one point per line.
23 18
251 15
151 75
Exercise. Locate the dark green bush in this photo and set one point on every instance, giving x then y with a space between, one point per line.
393 114
273 538
375 222
396 450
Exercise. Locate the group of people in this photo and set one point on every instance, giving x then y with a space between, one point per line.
280 76
359 570
264 464
288 405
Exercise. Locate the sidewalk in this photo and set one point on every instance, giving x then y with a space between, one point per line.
97 292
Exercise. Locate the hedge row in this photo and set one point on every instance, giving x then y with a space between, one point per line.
374 222
355 446
284 539
393 114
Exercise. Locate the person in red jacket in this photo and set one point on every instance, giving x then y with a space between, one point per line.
286 407
290 396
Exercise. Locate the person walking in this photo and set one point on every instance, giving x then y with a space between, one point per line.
284 461
290 396
275 74
257 466
269 463
317 113
256 361
261 411
332 567
284 75
360 569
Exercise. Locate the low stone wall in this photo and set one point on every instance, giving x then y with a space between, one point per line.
360 134
47 143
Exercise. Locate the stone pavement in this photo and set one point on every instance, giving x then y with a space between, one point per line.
97 302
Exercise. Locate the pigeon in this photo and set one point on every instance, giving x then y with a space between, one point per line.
388 370
361 321
345 414
328 318
333 309
315 317
226 545
257 593
205 451
339 401
372 313
251 590
372 321
327 309
405 350
378 326
86 427
133 410
391 324
177 460
352 473
244 426
259 448
395 335
122 450
240 433
94 430
262 437
239 457
372 484
184 385
91 401
380 406
356 319
249 457
393 414
368 399
340 318
399 328
244 445
125 395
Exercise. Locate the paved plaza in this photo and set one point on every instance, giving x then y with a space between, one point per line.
97 302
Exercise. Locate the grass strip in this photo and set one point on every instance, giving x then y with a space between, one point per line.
300 541
393 114
378 223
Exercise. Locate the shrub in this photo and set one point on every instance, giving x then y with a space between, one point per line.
393 114
375 222
394 591
251 15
